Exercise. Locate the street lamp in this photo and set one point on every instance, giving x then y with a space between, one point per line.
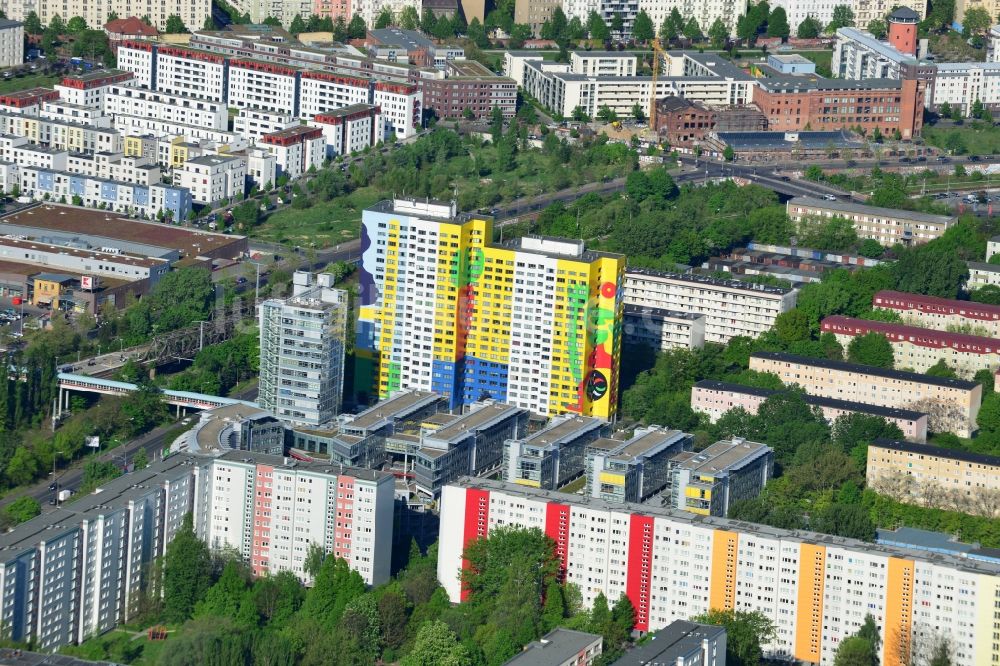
256 294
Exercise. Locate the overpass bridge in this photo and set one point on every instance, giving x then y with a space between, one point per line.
182 400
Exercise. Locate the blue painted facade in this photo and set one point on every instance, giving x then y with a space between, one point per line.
77 185
46 181
445 378
109 191
483 379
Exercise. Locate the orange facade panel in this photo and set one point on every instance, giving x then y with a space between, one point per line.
898 613
809 620
725 547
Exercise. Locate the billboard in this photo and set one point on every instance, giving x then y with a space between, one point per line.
88 282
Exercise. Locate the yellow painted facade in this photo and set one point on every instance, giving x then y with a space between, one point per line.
987 631
133 146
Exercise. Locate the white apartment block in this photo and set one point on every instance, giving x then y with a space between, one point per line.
272 510
213 178
603 63
142 125
19 151
192 12
89 89
296 150
115 166
731 308
76 113
982 274
263 85
887 226
703 11
816 589
262 167
182 71
562 88
960 84
8 177
954 403
858 55
941 314
399 103
798 10
350 129
63 134
131 101
302 346
252 124
11 43
148 200
663 329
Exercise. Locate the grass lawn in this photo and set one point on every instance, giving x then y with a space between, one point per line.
821 58
977 138
120 645
323 225
30 81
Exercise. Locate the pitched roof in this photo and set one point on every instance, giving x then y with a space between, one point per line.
131 26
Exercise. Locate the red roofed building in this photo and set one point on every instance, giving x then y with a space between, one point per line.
918 349
942 314
130 28
296 149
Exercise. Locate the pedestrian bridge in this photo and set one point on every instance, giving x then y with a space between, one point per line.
180 399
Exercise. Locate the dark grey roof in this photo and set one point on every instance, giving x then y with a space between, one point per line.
680 638
904 15
556 647
868 369
940 451
771 140
895 213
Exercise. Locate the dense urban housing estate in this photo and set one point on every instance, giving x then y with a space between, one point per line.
887 226
815 588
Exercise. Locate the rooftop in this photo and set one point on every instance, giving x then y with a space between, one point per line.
131 26
105 224
559 646
901 299
744 141
212 422
861 209
319 467
562 428
844 366
481 418
705 280
398 404
6 24
411 40
847 405
711 522
904 15
924 337
883 49
660 313
213 160
680 638
722 456
790 59
937 452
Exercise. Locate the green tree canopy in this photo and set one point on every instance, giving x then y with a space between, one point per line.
642 28
871 349
745 633
174 25
187 573
718 33
777 23
843 17
809 28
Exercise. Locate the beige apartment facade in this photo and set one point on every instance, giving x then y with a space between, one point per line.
952 404
886 226
935 476
941 314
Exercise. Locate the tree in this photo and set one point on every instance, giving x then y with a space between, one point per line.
777 23
436 645
846 520
975 22
941 369
871 349
22 509
384 18
843 17
57 25
32 24
855 651
809 28
728 153
76 25
140 460
941 15
409 19
878 28
988 418
209 23
638 112
617 24
745 633
597 28
941 654
642 28
607 114
519 34
476 33
175 25
792 326
692 30
357 29
718 33
187 573
669 30
298 25
554 610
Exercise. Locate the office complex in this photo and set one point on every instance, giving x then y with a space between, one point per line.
935 476
715 398
535 322
302 346
663 329
921 348
731 308
272 510
708 482
952 404
553 456
942 314
239 427
887 226
815 588
635 469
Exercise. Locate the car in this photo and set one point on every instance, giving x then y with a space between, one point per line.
974 158
921 159
904 160
52 501
241 281
943 158
829 197
53 486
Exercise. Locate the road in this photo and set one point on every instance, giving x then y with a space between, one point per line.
153 442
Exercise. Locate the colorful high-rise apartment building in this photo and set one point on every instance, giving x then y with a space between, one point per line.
534 322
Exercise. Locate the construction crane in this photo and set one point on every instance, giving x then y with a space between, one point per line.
657 53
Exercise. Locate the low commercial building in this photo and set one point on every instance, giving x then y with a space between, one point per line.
347 512
467 446
663 329
213 178
11 43
560 647
934 475
636 469
84 260
793 64
942 314
296 149
771 146
681 643
731 308
887 226
237 427
715 398
921 348
708 482
350 129
674 565
951 404
553 456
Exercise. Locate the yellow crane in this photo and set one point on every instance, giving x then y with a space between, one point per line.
657 53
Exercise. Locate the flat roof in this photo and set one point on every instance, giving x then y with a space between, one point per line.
558 430
662 313
397 404
213 160
790 59
87 221
97 255
844 366
214 421
766 140
559 646
848 207
706 280
483 417
646 441
677 639
818 401
937 451
411 39
721 456
713 522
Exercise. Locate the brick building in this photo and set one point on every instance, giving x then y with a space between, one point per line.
469 85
